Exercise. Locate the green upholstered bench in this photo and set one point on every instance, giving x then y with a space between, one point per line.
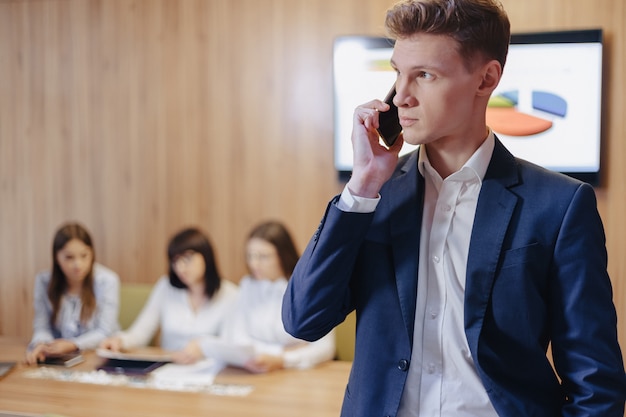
344 338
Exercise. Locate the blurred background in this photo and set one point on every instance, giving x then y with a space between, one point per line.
140 117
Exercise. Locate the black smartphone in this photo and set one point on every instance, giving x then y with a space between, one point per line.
389 127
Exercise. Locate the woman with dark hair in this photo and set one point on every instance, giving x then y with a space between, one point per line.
76 304
256 321
188 306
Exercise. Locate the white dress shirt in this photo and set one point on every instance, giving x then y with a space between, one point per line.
168 308
442 379
256 321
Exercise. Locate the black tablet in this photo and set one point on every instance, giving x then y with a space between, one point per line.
130 367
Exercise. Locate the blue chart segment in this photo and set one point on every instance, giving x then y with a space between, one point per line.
550 103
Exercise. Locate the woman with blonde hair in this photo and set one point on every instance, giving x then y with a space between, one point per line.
256 321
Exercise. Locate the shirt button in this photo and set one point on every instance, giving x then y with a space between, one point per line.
436 259
403 364
446 207
431 368
433 314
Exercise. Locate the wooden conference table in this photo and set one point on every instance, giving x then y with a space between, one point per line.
314 392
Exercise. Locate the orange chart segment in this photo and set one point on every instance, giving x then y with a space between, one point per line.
509 121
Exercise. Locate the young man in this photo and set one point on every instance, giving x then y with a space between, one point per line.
463 263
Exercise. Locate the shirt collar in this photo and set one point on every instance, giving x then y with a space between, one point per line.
477 164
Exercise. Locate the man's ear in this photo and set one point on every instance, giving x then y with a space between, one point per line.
491 74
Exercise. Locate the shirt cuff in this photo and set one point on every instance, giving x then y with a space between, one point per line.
355 204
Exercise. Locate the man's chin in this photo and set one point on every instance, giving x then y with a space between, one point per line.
413 139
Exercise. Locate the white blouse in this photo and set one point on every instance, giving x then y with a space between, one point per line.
169 310
257 321
88 335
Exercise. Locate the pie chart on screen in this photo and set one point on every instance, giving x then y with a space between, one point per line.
505 115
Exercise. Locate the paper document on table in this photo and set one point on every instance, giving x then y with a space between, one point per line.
231 354
201 373
134 356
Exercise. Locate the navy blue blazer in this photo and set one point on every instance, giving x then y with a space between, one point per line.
536 275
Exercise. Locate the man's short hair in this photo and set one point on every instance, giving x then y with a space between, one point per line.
480 27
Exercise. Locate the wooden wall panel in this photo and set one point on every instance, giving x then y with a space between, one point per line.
139 117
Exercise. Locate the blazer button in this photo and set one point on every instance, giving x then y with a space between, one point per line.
403 365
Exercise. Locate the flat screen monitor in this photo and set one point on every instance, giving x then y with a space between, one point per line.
546 109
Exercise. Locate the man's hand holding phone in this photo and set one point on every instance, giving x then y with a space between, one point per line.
373 162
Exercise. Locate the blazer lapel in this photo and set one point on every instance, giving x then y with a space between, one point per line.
495 208
406 193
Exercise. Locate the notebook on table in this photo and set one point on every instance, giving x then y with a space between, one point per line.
5 368
68 359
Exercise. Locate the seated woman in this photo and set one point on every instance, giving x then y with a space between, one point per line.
187 306
270 258
76 303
